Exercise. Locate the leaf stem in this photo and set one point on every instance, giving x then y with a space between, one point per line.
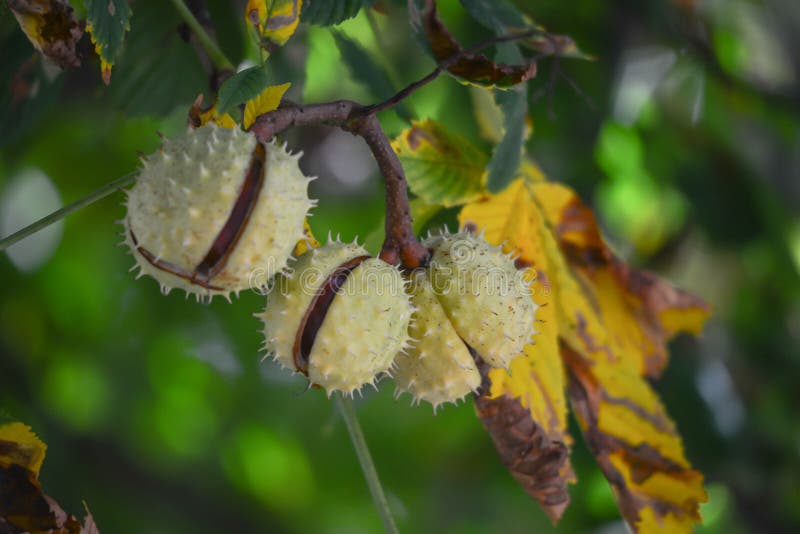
216 55
443 66
56 216
345 406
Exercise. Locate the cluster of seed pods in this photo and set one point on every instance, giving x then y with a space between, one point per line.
215 212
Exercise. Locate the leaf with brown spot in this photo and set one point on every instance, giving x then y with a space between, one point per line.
472 67
274 20
51 27
608 324
442 167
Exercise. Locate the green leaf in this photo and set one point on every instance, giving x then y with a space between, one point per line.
442 167
107 21
367 71
330 12
157 71
240 88
505 159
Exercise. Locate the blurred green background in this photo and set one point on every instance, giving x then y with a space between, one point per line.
160 414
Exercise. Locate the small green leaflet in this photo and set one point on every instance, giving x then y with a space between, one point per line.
241 87
442 167
330 12
107 21
506 156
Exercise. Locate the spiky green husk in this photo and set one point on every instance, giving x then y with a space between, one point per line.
183 198
485 297
363 330
438 367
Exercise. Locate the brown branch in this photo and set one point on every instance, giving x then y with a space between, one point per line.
400 244
400 239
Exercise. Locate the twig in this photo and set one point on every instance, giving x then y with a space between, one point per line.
578 91
56 216
345 406
214 53
400 244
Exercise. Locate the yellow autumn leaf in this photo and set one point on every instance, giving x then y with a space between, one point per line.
275 20
306 243
608 324
512 219
20 446
536 380
613 340
269 99
200 117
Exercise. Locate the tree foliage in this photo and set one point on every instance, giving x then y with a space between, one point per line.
688 164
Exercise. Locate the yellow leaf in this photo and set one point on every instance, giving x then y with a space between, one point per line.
308 242
275 20
536 379
608 324
255 11
20 446
268 100
200 117
612 337
629 312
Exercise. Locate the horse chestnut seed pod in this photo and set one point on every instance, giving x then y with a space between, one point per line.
214 208
485 297
438 366
340 318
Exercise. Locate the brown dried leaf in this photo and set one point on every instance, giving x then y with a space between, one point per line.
472 67
51 27
539 463
609 324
